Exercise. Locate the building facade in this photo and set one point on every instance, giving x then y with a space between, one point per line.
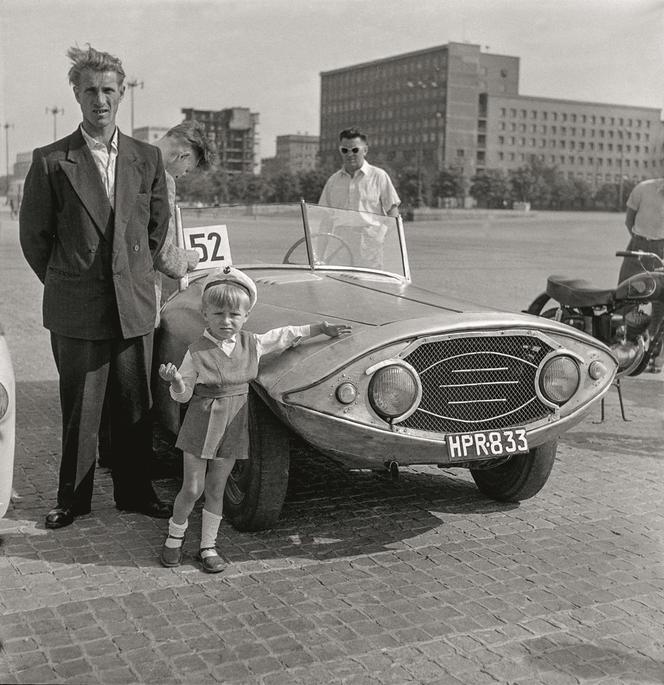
455 107
297 152
234 132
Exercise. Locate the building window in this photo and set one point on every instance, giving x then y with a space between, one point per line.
545 116
533 114
503 111
460 152
501 140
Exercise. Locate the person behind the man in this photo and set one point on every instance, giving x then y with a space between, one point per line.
183 148
93 218
361 187
644 220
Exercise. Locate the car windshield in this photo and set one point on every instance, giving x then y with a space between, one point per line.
296 235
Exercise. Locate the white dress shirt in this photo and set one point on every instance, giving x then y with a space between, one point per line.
104 159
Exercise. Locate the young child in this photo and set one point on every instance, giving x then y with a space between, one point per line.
215 375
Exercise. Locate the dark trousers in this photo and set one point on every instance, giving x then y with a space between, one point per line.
90 371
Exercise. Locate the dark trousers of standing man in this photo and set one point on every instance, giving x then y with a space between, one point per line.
87 368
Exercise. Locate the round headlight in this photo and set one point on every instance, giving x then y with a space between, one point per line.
559 379
4 400
393 391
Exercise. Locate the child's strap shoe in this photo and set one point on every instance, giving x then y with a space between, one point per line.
171 556
211 561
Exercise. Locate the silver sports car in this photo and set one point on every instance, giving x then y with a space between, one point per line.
422 379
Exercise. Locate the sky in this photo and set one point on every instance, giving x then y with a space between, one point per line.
268 54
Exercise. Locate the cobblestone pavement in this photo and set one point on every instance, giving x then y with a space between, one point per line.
364 580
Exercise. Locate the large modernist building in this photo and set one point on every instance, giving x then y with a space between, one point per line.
454 106
234 132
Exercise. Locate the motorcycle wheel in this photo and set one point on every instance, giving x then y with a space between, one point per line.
570 316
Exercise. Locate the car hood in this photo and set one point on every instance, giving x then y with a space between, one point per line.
382 312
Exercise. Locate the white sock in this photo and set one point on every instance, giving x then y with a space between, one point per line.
175 531
209 530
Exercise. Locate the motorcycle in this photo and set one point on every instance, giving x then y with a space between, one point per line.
619 317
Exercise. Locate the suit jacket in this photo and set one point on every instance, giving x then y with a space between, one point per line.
96 264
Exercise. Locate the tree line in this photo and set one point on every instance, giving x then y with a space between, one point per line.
543 187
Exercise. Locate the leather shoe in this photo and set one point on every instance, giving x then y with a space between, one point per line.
152 507
211 563
59 517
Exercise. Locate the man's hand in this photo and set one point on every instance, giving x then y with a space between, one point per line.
193 257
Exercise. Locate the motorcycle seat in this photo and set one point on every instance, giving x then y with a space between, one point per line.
577 292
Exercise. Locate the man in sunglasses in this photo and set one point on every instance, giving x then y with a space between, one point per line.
361 187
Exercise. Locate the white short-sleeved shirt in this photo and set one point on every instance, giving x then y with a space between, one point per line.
647 200
370 189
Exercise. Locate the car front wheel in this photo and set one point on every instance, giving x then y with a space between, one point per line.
519 478
256 487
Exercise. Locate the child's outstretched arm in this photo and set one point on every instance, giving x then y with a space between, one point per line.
280 339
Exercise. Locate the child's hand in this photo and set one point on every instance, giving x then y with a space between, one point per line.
334 330
169 372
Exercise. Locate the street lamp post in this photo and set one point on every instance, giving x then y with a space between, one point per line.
131 85
55 111
7 127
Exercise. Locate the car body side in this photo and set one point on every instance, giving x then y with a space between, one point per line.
7 424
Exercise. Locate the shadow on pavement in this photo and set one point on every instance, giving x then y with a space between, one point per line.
329 512
585 660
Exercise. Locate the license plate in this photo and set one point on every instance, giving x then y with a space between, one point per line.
486 444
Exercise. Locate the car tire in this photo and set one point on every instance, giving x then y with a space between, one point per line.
519 478
256 488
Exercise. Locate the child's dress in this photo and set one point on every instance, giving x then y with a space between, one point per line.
215 425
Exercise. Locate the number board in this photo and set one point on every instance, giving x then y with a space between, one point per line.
212 245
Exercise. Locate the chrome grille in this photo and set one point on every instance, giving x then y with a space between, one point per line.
477 383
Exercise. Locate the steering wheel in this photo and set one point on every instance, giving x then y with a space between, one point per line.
343 246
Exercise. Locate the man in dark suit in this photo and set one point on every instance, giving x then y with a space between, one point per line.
94 215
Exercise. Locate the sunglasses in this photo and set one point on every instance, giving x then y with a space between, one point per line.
346 150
